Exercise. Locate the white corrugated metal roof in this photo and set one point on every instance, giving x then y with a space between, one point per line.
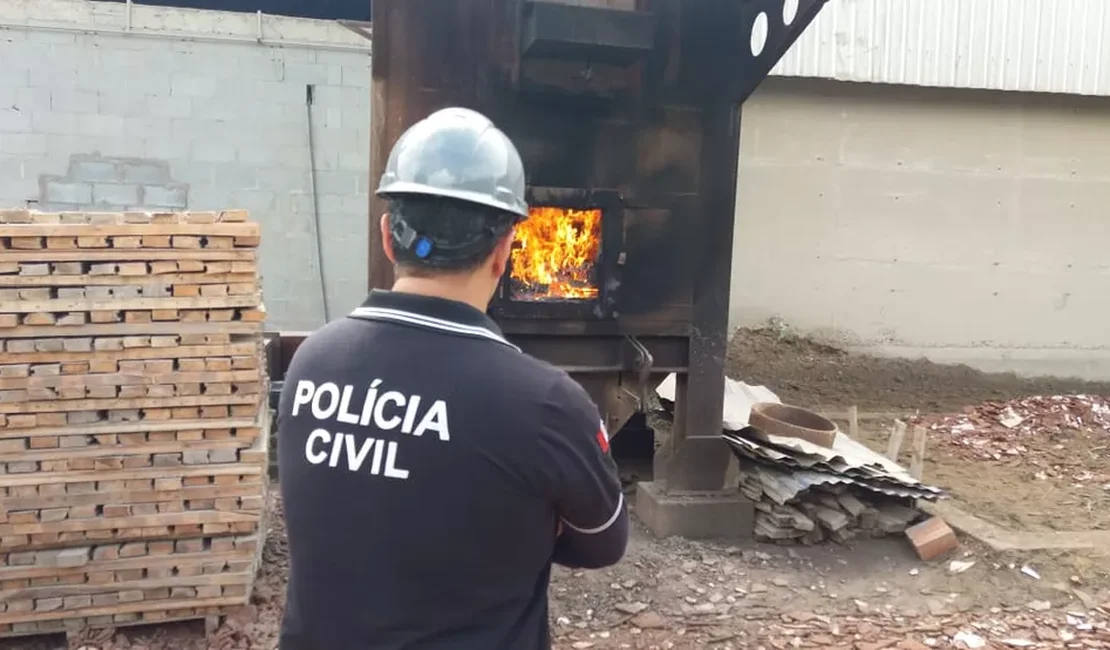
1059 46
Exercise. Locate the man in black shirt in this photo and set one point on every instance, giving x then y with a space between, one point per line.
431 472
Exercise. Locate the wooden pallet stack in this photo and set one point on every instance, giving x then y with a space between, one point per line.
133 446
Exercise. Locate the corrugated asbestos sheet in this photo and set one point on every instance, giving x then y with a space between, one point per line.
1057 46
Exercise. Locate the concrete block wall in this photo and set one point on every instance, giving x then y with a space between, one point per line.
964 226
176 108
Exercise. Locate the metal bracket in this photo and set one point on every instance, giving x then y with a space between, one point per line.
642 363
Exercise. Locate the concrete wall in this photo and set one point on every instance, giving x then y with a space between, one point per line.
190 110
965 226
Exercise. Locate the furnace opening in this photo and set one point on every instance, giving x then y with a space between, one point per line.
555 255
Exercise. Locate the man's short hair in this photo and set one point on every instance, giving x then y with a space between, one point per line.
446 221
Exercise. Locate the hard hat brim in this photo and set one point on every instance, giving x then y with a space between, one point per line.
397 188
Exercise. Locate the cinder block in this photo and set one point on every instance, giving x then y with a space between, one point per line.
145 172
24 144
115 194
335 74
172 195
357 76
14 76
213 151
92 169
176 107
108 128
352 161
32 100
695 515
193 85
70 100
306 73
50 123
57 190
337 182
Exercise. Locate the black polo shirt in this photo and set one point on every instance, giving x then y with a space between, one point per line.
425 464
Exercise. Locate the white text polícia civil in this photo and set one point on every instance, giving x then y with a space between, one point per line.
384 410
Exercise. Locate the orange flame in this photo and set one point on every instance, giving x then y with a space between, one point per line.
554 254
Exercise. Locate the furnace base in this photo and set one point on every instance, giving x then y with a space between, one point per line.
695 515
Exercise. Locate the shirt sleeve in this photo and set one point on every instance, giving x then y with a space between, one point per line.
582 478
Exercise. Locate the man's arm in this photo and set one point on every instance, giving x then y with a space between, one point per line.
582 479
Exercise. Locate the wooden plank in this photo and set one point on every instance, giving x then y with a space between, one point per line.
143 449
73 627
134 435
26 216
127 354
894 444
146 473
128 255
56 591
134 403
127 377
245 229
95 565
111 280
130 497
21 422
917 460
124 609
134 329
63 305
146 521
135 427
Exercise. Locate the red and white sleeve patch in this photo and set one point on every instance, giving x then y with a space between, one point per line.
603 438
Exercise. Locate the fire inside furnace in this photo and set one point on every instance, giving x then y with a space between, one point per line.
555 255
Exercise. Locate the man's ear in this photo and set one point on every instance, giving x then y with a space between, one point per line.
387 239
502 252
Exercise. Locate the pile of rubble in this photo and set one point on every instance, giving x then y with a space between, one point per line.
807 493
1000 430
789 510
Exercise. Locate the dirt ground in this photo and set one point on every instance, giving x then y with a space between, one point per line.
680 594
674 594
1034 490
810 374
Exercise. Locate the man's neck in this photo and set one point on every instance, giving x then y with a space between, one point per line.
459 291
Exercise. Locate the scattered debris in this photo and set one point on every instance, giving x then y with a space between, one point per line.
994 430
968 640
959 566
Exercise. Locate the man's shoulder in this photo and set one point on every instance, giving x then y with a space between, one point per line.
550 382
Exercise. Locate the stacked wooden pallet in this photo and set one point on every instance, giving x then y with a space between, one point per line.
132 418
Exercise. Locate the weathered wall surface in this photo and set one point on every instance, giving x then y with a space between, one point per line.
190 109
965 226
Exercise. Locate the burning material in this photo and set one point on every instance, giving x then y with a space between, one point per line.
555 254
1000 430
